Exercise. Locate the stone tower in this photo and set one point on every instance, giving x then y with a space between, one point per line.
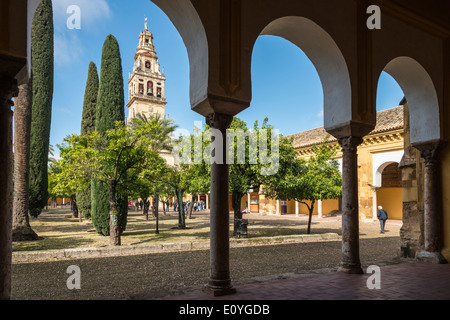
146 94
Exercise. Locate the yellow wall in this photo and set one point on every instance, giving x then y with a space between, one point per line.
391 200
329 205
303 209
59 201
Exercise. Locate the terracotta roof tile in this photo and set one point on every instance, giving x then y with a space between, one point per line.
390 119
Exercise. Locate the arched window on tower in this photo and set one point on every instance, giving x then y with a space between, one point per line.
150 88
141 88
158 92
148 65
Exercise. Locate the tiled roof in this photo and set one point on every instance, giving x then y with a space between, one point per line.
387 120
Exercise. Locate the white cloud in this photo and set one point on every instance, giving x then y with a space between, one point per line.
68 46
91 12
320 114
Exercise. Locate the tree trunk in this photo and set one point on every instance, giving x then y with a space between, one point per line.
75 212
153 205
145 208
164 207
236 203
21 230
311 209
191 206
144 198
114 230
181 217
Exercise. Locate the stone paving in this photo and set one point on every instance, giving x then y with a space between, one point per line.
406 281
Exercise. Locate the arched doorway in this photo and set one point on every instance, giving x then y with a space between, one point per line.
389 194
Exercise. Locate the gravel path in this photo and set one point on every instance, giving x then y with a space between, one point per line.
155 275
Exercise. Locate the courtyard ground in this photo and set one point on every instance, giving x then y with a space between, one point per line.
159 274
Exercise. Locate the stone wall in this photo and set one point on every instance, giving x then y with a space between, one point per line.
411 233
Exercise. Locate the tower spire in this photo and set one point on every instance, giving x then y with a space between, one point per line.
146 84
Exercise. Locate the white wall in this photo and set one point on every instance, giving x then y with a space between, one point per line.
380 161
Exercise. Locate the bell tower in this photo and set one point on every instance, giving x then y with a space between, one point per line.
146 85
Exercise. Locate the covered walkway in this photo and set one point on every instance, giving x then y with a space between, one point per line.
406 281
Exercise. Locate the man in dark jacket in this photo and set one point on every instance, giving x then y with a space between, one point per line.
382 216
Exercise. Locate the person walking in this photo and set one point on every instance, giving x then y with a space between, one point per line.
382 216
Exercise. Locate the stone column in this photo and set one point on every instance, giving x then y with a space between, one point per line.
320 208
219 281
296 208
350 212
432 213
8 89
374 203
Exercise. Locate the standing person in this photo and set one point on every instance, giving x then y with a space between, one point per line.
382 216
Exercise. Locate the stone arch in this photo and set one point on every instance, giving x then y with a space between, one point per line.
328 60
380 161
423 102
187 21
389 195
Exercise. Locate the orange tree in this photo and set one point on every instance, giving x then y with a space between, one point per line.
317 178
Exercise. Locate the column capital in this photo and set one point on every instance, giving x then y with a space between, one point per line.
8 89
219 120
430 156
429 151
350 144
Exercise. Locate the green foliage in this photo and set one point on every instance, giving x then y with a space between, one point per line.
110 102
146 182
246 169
112 161
42 90
54 169
317 178
83 194
90 100
110 108
100 207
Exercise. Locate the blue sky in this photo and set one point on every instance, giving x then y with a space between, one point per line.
293 104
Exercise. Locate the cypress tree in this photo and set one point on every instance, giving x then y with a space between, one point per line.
110 108
42 93
90 100
83 195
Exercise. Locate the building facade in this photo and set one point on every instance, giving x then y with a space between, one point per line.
379 175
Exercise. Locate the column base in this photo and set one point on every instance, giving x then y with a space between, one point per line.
431 257
350 268
218 291
219 287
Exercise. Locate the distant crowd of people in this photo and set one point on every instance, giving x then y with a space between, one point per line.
197 205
